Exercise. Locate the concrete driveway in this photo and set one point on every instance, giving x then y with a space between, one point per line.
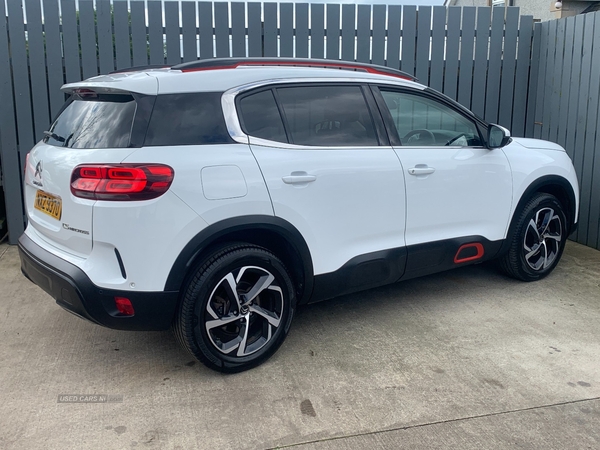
466 359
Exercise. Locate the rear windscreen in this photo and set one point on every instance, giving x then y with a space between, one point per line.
103 121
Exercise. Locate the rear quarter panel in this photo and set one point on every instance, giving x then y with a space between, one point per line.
211 183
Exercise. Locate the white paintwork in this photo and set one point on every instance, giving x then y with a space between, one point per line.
140 82
166 81
538 144
149 235
57 166
354 205
168 223
530 164
173 81
455 191
223 182
188 162
344 201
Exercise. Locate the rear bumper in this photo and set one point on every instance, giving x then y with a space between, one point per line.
75 292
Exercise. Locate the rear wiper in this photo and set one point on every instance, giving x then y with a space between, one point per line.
54 136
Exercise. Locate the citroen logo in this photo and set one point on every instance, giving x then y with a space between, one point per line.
38 170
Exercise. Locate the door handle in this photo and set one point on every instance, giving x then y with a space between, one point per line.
421 169
298 178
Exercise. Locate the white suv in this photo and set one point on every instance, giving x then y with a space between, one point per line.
215 196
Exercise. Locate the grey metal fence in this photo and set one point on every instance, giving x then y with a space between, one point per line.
477 56
566 98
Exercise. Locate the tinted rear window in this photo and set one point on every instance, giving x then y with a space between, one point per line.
327 116
187 119
101 122
260 117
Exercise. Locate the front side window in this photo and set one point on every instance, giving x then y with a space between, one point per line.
328 116
101 121
425 122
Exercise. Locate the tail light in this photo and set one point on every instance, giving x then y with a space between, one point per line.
121 182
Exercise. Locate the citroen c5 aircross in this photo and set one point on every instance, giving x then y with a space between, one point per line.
214 197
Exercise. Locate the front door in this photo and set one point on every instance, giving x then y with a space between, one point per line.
455 187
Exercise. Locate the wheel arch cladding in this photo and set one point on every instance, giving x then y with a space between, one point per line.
272 233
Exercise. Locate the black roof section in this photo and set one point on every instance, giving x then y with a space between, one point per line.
225 63
140 68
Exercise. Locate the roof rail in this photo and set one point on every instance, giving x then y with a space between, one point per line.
140 68
231 63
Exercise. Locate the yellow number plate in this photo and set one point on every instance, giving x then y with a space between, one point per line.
48 204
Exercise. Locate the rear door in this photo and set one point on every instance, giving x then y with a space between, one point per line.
92 128
326 171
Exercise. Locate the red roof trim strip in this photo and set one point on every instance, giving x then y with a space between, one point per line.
342 66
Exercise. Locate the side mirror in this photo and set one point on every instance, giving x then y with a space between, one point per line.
497 136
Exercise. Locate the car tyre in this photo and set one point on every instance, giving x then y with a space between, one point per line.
538 239
237 308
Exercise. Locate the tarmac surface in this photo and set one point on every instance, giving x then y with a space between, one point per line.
466 359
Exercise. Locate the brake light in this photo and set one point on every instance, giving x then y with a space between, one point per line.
121 182
85 93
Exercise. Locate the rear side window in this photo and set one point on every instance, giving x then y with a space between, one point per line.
260 117
102 121
187 119
327 116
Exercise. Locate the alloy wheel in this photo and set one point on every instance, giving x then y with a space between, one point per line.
244 311
543 237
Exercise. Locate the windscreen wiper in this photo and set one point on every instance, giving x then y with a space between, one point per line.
54 136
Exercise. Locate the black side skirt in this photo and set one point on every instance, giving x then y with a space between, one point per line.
389 266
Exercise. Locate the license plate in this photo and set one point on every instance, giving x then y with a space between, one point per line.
48 204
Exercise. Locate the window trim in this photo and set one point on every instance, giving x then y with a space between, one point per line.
426 93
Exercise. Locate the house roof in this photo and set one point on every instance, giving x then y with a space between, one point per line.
592 8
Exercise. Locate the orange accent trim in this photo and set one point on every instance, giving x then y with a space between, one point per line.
479 254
